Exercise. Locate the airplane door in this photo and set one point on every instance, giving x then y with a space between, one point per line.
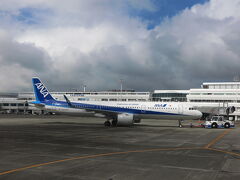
180 109
143 109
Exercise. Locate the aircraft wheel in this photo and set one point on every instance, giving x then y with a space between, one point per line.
114 123
107 123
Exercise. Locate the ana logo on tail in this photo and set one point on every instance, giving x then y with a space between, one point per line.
42 89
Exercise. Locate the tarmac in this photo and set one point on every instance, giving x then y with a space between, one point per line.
70 148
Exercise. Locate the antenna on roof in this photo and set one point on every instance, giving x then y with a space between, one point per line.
84 88
236 78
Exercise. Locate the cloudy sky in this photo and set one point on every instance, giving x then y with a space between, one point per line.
150 44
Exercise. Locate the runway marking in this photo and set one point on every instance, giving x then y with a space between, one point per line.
94 156
214 141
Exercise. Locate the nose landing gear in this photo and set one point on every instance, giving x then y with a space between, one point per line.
180 123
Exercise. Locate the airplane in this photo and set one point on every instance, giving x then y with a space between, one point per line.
118 113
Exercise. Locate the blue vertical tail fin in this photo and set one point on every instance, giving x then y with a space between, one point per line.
40 91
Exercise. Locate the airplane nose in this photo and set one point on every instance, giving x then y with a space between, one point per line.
198 114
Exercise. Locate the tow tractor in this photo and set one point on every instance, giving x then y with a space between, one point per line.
218 122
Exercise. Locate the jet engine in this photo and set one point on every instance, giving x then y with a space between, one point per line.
125 119
230 109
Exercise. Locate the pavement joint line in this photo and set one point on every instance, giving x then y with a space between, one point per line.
94 156
214 141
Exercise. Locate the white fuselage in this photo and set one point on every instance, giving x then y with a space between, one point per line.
141 110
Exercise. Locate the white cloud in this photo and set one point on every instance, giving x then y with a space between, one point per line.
98 43
218 9
19 62
57 40
14 78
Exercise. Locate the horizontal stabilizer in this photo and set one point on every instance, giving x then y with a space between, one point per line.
37 104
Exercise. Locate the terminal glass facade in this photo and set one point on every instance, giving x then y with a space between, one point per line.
177 97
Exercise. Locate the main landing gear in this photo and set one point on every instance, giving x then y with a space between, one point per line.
108 123
114 123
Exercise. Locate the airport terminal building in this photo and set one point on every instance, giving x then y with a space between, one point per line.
228 92
220 93
19 102
209 92
124 95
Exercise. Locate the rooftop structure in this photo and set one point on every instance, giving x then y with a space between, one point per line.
221 85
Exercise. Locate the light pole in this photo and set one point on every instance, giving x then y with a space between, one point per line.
121 87
121 81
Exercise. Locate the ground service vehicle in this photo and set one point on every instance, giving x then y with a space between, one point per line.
218 122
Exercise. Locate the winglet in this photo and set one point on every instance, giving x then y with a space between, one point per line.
68 101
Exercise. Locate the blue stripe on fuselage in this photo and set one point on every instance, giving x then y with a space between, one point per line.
105 108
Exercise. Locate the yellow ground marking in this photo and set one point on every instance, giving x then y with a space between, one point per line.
94 156
214 141
226 152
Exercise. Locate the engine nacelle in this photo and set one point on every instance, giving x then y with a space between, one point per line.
230 109
125 119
